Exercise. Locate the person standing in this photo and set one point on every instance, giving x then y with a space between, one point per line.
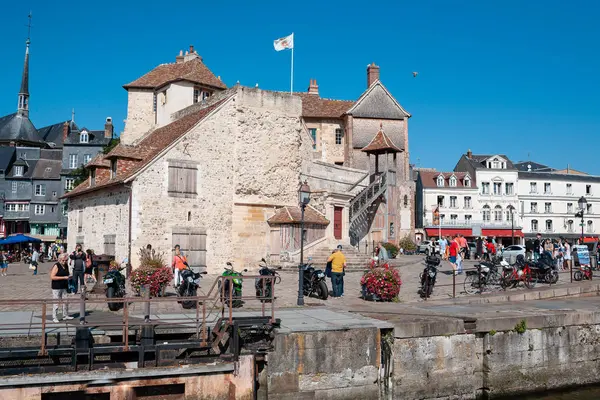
3 263
89 267
59 276
452 254
382 254
442 243
179 264
338 264
567 256
537 245
35 258
479 248
78 258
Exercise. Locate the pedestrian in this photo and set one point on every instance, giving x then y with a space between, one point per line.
537 247
567 256
3 263
89 267
453 249
338 264
35 258
78 258
442 243
59 275
382 254
549 248
179 264
479 248
460 255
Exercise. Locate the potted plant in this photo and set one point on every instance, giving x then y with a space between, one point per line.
381 283
152 273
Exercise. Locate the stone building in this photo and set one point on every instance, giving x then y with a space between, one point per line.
216 170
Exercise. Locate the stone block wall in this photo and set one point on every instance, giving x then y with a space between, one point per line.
140 115
325 365
251 234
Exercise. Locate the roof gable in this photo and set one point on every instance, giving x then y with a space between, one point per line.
429 180
19 129
194 71
314 106
293 215
377 102
381 143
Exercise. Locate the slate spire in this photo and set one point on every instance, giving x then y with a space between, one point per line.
23 106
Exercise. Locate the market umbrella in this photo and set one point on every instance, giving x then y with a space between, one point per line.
20 238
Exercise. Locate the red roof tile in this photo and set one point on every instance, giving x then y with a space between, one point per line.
429 179
146 150
381 143
293 215
193 71
314 106
99 161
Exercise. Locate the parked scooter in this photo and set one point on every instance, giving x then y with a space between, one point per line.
584 272
264 286
115 288
429 275
188 287
234 285
314 282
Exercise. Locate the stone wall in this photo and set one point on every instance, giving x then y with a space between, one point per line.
325 365
140 115
322 176
103 213
330 151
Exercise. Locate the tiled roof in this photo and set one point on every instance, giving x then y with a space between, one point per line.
429 180
293 215
192 70
477 160
381 143
145 151
99 161
47 169
18 128
314 106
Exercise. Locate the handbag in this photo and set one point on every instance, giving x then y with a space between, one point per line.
328 270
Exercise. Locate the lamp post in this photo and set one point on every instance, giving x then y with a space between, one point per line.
512 223
303 199
582 202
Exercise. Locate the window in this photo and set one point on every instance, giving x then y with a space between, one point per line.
588 189
590 227
589 209
40 190
193 245
40 209
548 225
196 98
453 218
405 201
569 207
509 215
440 201
486 213
53 194
452 181
69 183
497 188
84 137
468 202
392 232
93 177
534 225
569 188
498 213
154 103
547 188
65 209
313 136
485 188
496 164
14 187
52 209
548 208
534 208
339 135
533 187
442 216
18 170
164 97
72 161
11 207
452 201
79 221
113 169
440 181
467 182
22 207
468 219
87 158
509 189
109 244
570 225
182 179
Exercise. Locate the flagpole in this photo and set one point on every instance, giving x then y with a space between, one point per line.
292 74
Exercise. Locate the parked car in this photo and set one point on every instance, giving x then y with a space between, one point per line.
428 247
510 253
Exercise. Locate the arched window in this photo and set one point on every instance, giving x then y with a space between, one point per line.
405 201
570 225
548 225
467 182
498 213
590 227
452 181
440 181
534 225
486 213
84 137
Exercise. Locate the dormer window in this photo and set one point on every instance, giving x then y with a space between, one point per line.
452 181
84 137
467 182
92 176
18 170
113 169
440 181
200 94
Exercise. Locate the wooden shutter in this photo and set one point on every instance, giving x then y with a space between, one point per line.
110 244
183 176
193 245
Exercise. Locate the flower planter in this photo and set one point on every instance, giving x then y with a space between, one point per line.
380 284
366 295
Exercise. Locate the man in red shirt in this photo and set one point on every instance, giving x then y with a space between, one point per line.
453 253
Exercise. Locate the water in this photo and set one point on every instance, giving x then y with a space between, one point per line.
588 393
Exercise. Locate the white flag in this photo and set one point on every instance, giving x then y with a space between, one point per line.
284 43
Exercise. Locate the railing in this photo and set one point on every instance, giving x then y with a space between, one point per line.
469 224
367 196
205 307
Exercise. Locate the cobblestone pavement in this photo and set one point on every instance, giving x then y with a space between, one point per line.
21 284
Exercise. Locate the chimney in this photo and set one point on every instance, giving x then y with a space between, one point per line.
372 74
65 130
191 54
108 128
179 58
313 88
191 48
469 154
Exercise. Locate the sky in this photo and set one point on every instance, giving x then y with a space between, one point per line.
519 78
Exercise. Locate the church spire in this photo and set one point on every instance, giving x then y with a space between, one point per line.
23 107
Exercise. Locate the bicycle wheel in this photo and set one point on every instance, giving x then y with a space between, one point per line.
472 284
494 281
528 279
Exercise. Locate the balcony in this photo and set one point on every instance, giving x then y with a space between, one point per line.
469 223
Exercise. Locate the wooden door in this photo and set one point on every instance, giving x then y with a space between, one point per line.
337 222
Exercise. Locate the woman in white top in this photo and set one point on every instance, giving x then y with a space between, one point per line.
567 254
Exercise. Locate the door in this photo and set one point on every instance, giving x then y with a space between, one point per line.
337 222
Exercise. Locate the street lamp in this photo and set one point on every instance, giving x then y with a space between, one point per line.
582 205
303 199
512 222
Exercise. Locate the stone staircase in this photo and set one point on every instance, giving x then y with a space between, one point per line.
356 261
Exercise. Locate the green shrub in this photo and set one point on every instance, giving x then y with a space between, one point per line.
392 249
492 332
407 243
521 327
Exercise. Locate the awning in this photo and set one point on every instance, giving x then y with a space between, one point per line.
448 231
501 232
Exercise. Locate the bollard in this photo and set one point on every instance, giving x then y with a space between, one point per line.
82 308
571 270
453 285
147 304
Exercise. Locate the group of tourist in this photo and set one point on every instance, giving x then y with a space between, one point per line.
559 250
454 249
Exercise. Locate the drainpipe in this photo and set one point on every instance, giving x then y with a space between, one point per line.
128 270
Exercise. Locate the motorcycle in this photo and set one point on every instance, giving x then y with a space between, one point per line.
314 282
264 286
233 285
115 287
542 270
190 282
429 275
